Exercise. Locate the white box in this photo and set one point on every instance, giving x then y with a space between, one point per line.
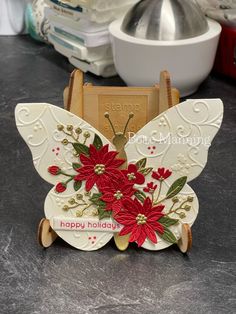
77 13
103 68
99 5
69 48
83 32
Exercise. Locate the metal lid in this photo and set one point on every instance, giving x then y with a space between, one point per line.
165 20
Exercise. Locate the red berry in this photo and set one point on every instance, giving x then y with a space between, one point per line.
60 187
54 170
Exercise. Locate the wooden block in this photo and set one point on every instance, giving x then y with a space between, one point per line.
122 242
66 97
91 102
75 94
165 94
46 236
185 243
119 102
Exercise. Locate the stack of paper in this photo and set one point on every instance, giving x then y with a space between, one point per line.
79 31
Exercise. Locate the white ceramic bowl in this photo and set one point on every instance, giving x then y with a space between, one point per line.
12 16
189 61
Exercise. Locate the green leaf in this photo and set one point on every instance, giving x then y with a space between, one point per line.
77 185
97 142
95 197
168 236
104 213
145 171
96 200
141 163
81 148
76 166
176 187
167 222
140 196
100 204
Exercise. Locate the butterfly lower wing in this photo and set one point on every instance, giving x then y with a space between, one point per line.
179 139
186 214
54 208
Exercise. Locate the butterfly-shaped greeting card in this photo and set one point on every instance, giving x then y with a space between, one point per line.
135 188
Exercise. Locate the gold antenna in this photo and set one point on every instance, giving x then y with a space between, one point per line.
107 116
131 115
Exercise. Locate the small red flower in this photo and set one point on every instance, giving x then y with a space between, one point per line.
141 220
133 175
161 174
116 192
60 187
150 188
54 170
99 167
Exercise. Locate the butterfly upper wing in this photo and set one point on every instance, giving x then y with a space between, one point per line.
38 125
179 139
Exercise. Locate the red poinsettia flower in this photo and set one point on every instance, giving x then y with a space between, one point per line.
54 170
161 174
141 220
116 192
150 188
133 175
60 187
99 167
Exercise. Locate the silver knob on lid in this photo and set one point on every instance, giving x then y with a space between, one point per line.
165 20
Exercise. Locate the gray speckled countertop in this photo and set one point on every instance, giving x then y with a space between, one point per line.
63 280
